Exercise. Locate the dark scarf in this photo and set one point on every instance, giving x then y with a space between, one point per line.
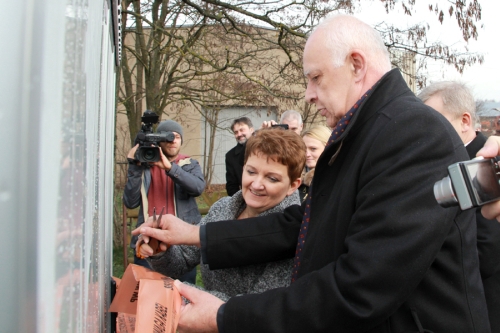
336 133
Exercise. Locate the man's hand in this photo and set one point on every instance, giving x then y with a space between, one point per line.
268 124
163 163
201 314
491 149
173 231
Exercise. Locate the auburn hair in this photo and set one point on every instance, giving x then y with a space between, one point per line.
280 145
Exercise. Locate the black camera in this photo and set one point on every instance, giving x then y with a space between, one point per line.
470 184
284 126
149 150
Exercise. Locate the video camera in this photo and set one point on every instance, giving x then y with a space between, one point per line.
148 150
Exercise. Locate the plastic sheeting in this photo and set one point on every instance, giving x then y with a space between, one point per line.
57 125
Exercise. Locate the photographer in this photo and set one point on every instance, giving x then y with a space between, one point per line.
172 182
454 100
291 118
491 148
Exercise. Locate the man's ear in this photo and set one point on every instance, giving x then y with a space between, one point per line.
358 64
467 121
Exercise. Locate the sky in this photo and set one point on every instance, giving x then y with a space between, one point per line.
484 79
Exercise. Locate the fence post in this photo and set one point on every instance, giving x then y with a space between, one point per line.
125 237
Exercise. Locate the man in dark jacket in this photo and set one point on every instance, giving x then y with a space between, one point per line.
242 129
173 184
375 251
456 103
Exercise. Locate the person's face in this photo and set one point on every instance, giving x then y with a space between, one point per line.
314 150
333 90
171 149
265 182
293 124
242 132
436 102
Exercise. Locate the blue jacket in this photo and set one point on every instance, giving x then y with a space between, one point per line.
189 183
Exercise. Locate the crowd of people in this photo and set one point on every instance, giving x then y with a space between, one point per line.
333 228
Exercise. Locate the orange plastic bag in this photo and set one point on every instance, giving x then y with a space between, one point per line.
125 323
158 307
146 301
126 296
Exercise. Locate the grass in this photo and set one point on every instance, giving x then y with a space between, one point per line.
118 268
201 203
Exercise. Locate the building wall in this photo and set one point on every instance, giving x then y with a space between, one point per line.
57 123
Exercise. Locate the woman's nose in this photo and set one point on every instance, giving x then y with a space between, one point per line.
257 183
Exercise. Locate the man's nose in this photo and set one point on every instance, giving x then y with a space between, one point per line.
310 95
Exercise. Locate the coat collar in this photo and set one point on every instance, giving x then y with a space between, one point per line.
385 90
476 144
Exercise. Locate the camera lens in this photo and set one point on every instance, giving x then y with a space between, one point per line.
148 154
444 193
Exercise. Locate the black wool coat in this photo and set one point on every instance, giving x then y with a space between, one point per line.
488 246
380 255
234 168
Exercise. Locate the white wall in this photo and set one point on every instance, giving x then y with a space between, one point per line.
57 130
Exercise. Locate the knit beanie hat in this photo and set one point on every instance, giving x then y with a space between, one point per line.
169 126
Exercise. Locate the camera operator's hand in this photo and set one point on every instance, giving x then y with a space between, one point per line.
491 149
268 124
163 163
131 154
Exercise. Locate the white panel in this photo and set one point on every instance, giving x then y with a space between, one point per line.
56 180
16 284
51 167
